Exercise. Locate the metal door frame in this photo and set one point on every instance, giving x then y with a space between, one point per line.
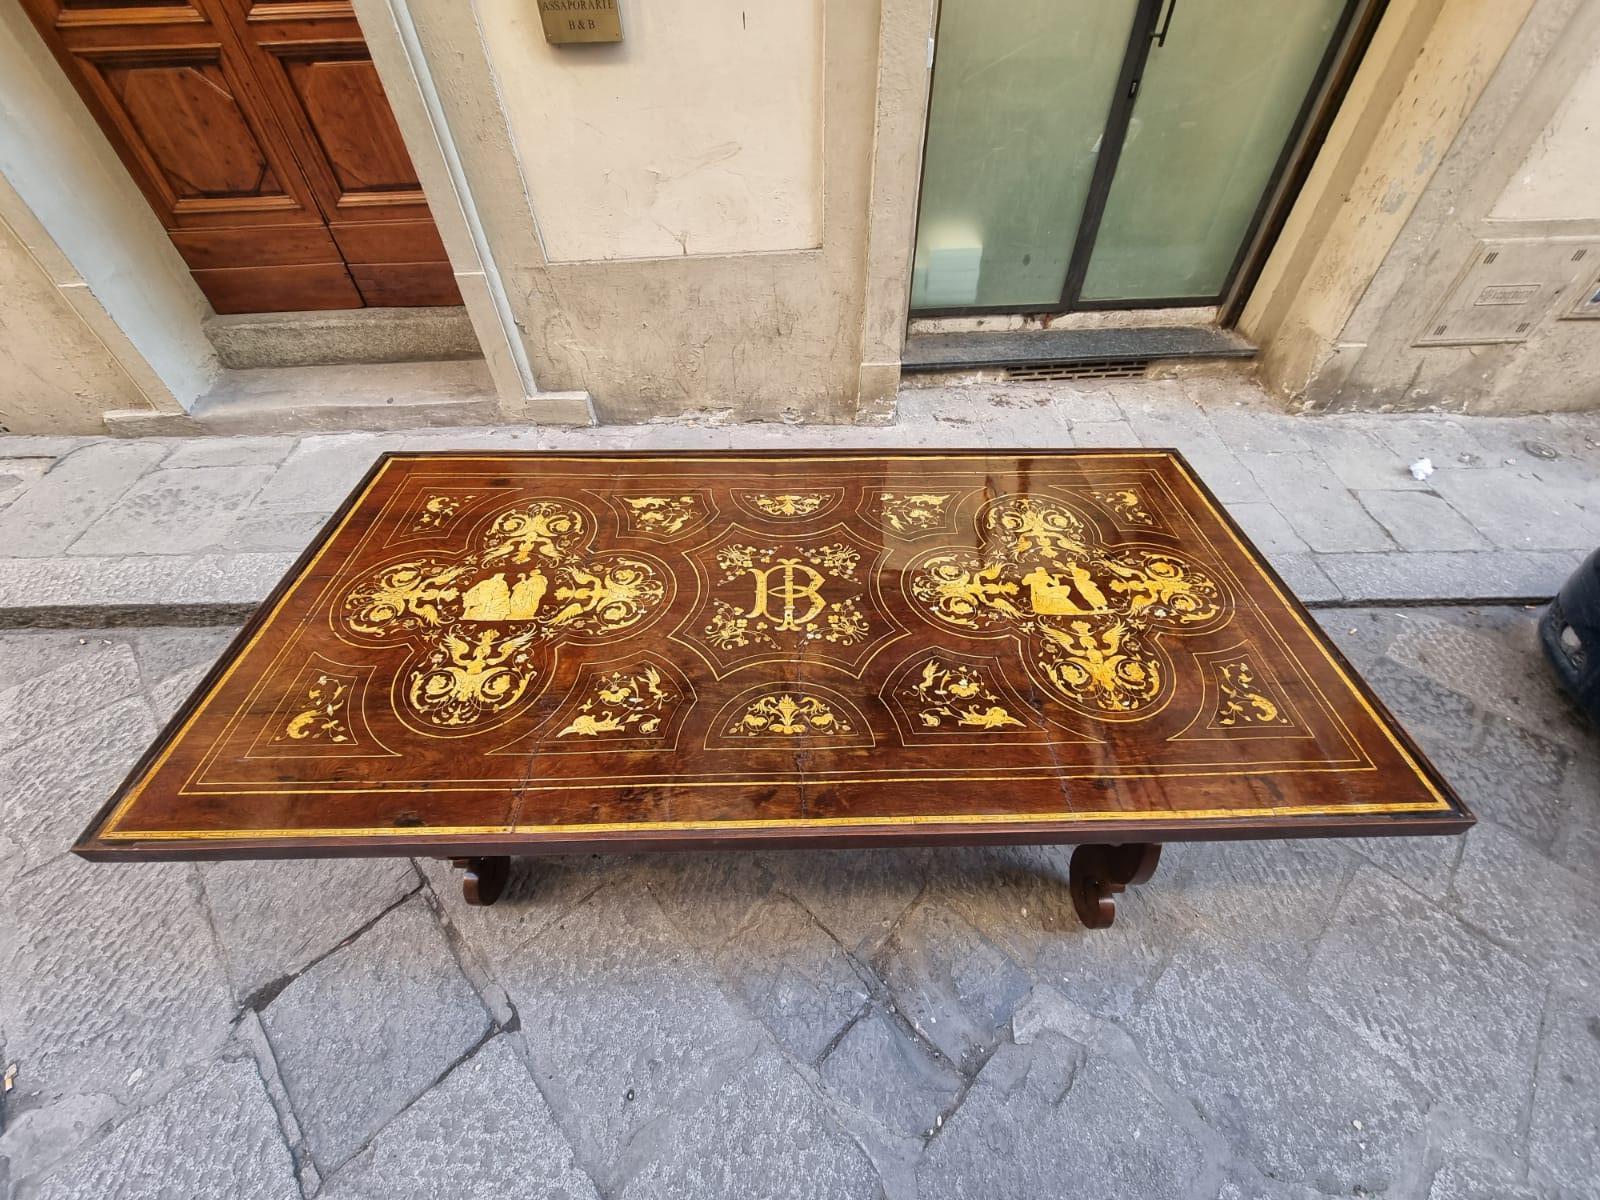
1327 90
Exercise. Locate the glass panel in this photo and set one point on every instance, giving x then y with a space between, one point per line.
1215 107
1018 106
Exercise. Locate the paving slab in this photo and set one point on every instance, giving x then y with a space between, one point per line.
371 1027
883 1071
1482 1179
954 984
760 1132
103 676
228 452
1564 1134
1453 1014
18 474
66 590
483 1131
174 511
1520 510
216 1136
1277 1078
1419 520
857 895
1050 1116
51 785
274 918
793 976
1408 576
109 984
624 1024
74 494
1537 909
1325 514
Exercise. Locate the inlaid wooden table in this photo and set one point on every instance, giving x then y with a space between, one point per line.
495 654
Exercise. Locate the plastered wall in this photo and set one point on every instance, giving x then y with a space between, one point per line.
689 221
1490 137
56 376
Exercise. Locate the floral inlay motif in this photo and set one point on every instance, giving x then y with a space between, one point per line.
482 623
320 717
944 694
788 714
1089 616
626 703
790 504
1126 503
438 510
1243 700
660 515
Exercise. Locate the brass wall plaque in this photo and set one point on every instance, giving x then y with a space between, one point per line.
567 21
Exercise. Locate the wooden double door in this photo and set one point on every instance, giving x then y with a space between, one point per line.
259 132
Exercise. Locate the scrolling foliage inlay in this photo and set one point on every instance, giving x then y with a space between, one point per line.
483 624
1090 617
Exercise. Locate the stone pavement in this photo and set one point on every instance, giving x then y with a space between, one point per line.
1395 1018
198 529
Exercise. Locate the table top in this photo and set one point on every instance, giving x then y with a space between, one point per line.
493 653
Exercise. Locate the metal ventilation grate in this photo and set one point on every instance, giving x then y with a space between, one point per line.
1123 368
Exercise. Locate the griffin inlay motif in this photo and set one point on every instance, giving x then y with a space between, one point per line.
483 624
1242 700
1089 617
913 512
660 515
626 703
946 694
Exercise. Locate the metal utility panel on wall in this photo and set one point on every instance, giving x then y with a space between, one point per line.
1508 288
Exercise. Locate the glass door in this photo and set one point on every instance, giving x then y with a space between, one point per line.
1108 153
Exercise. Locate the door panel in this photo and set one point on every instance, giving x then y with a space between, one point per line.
347 112
187 118
1014 132
1216 105
312 59
260 135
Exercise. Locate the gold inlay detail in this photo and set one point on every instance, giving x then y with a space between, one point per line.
944 695
627 703
438 510
1126 503
1089 617
1243 700
483 622
914 512
788 714
321 719
790 504
786 596
659 515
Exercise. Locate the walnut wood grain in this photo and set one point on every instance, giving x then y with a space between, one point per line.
492 654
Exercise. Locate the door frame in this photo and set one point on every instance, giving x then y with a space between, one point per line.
1329 85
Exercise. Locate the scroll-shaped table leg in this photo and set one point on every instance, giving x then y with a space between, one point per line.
485 878
1099 872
